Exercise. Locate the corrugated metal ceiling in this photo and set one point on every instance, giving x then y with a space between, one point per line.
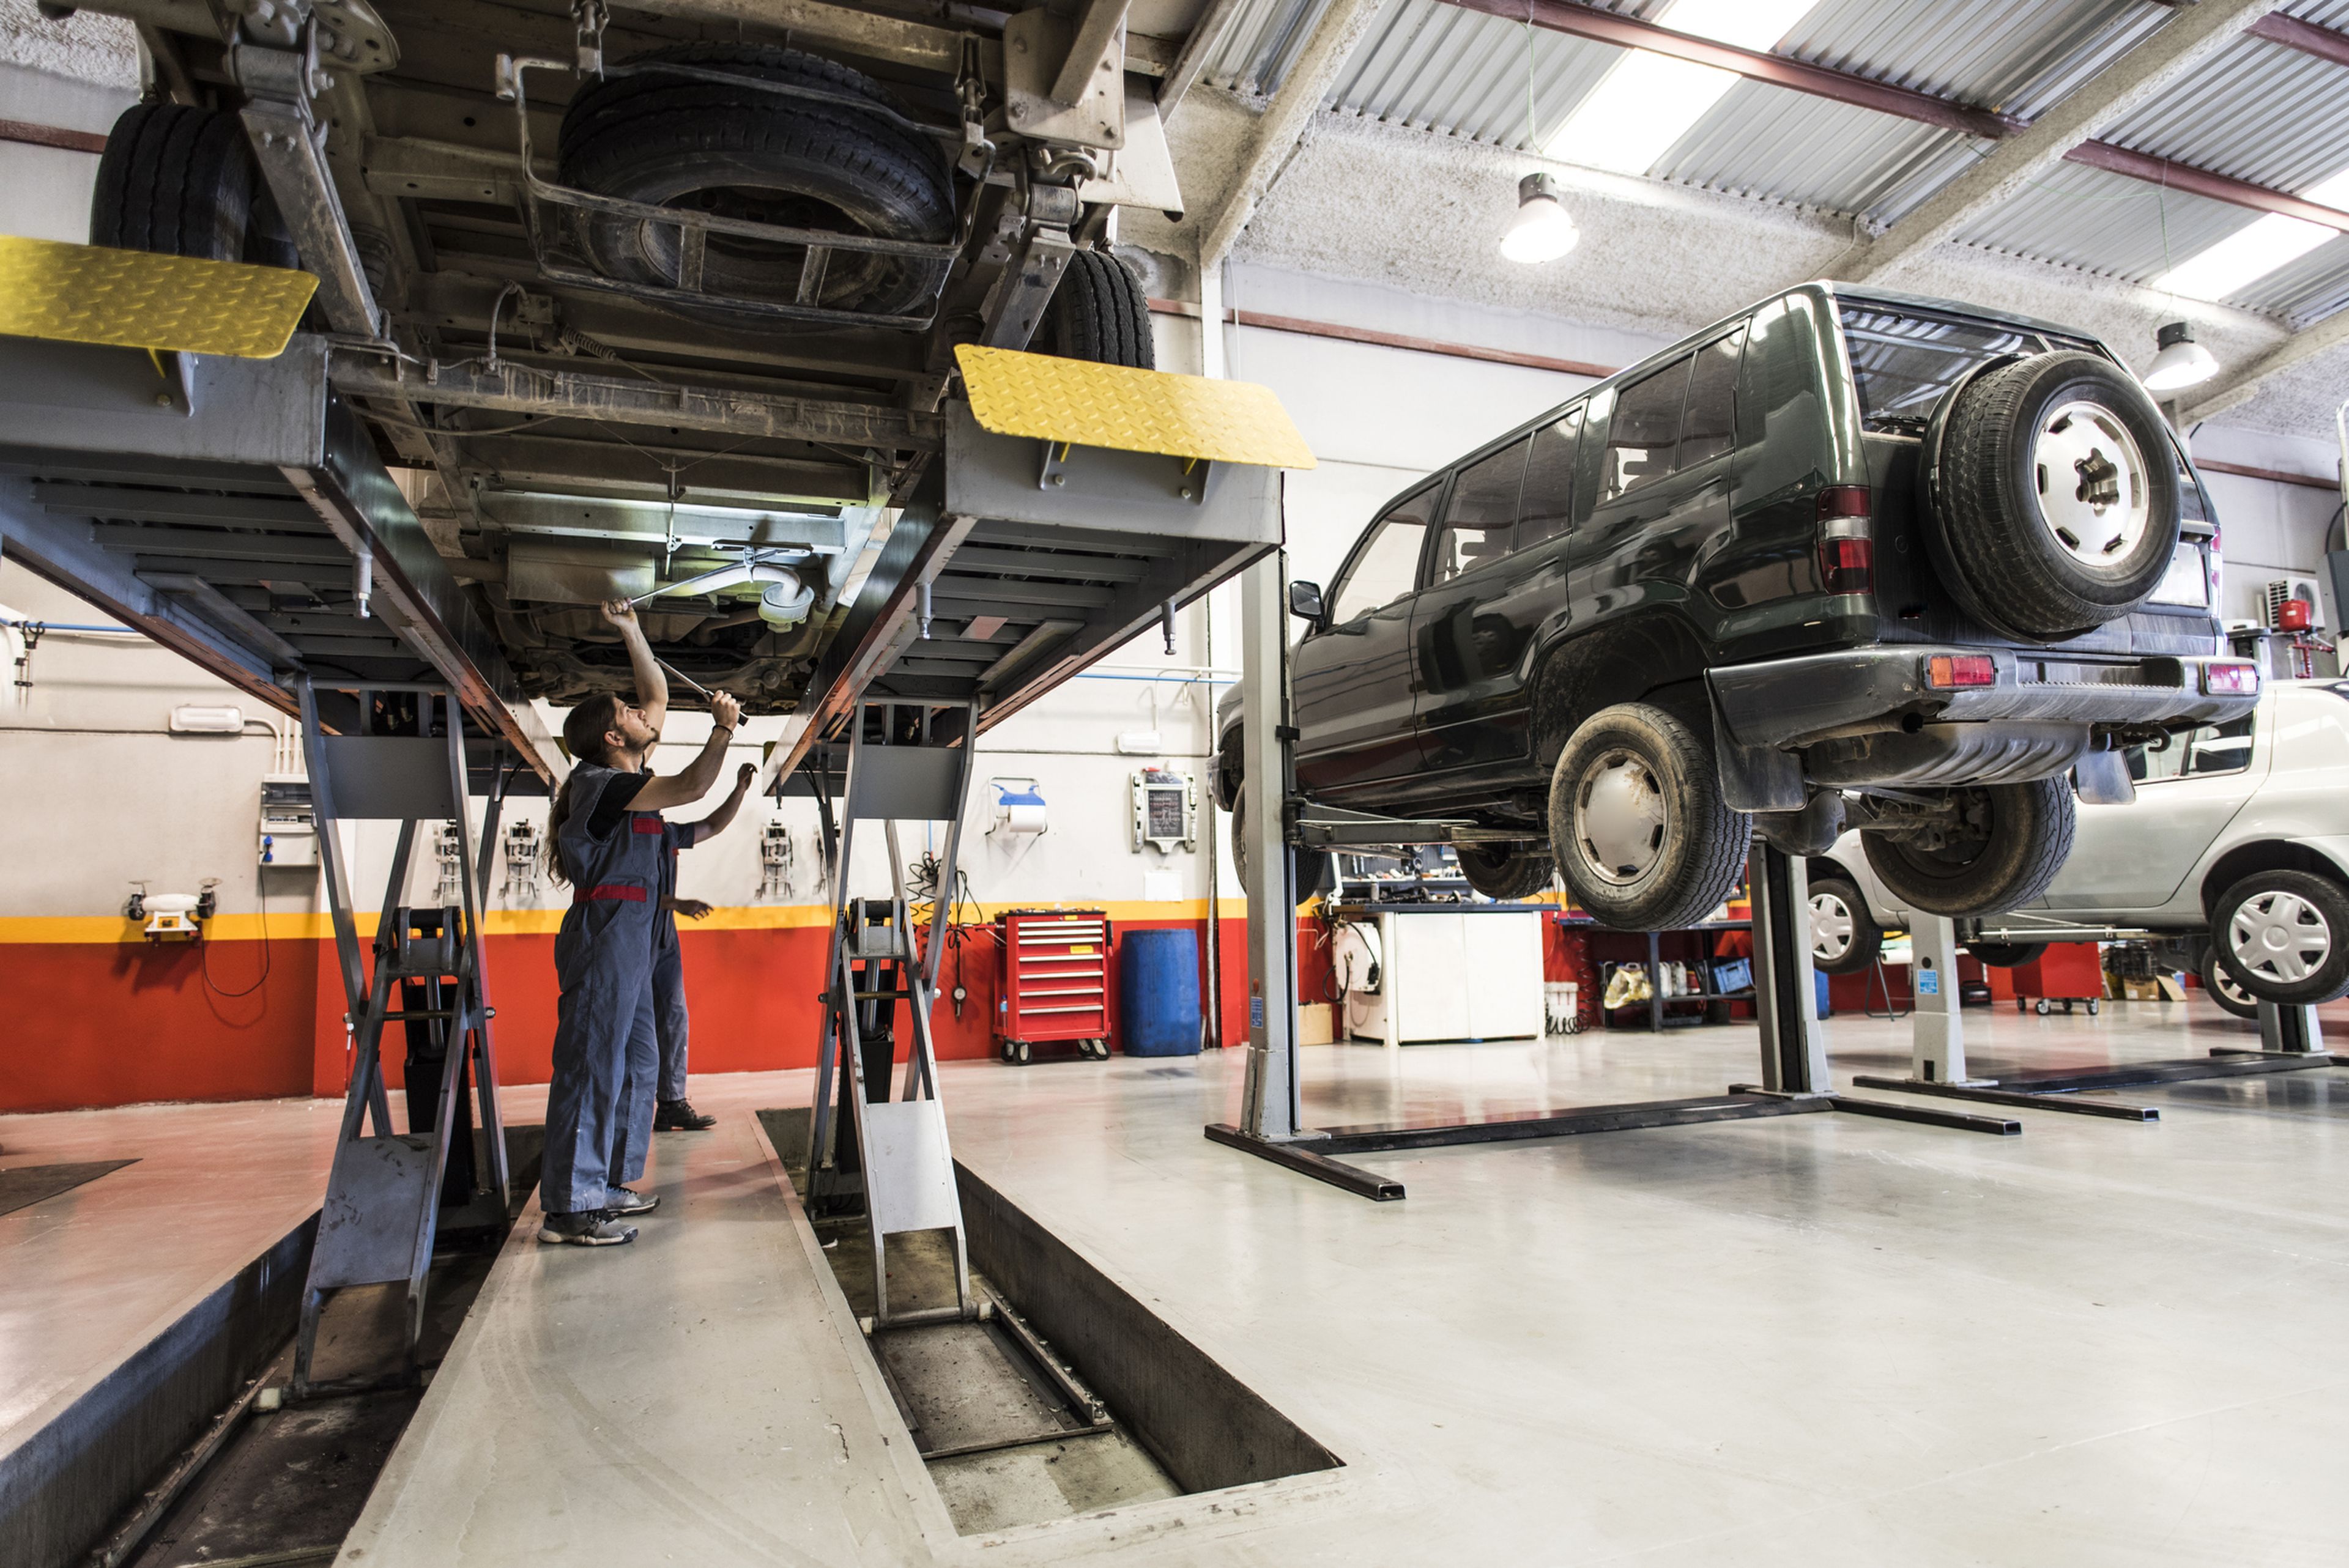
2259 112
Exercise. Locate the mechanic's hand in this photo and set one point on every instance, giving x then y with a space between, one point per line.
725 711
691 908
743 774
620 613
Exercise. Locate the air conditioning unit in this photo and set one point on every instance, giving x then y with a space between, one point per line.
2284 591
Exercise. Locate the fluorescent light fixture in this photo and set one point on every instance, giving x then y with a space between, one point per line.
1647 102
2182 362
2254 251
1544 231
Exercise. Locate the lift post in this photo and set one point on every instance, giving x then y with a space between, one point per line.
385 1200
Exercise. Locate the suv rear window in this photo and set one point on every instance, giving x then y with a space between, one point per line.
1645 430
1905 360
1481 519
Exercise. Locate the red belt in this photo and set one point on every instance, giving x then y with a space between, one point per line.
609 890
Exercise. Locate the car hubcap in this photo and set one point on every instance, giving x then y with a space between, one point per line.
2280 936
2094 494
2228 987
1619 818
1830 928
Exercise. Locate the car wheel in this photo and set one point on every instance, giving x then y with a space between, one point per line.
1099 311
2005 846
2225 989
182 180
1504 875
2284 936
2006 954
2057 507
1638 828
743 153
1314 867
1844 938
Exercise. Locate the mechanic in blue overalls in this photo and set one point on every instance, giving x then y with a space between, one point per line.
607 838
670 1022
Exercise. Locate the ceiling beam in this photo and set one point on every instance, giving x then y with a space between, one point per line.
1213 23
2308 37
2196 182
2239 385
1283 124
2183 43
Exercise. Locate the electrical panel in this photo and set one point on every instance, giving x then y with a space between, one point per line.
289 832
1165 812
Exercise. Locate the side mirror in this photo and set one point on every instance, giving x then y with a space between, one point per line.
1304 600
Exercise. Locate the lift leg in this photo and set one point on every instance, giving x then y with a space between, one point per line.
1937 1039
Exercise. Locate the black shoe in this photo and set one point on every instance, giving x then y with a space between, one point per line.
678 1116
587 1228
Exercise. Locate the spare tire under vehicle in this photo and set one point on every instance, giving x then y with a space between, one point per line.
764 158
1504 875
2011 840
2056 499
1099 311
182 180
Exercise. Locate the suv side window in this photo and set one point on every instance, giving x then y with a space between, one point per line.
1386 567
1480 520
1548 509
2213 748
1645 430
1710 426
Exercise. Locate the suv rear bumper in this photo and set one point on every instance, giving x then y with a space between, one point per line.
1785 702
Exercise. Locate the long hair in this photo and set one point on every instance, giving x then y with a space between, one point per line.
584 729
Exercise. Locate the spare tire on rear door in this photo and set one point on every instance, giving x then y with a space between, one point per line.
806 162
2055 496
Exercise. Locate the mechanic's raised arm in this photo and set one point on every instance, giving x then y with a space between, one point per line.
652 686
717 821
685 787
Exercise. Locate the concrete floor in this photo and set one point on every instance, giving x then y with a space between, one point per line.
1817 1339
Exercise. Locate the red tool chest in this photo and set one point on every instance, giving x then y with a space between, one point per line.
1053 982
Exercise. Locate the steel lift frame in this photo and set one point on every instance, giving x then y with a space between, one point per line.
1794 1078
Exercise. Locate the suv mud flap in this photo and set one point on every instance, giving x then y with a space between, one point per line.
1755 778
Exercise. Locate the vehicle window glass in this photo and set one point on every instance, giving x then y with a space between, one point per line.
1548 497
2213 748
1387 567
1480 519
1709 428
1904 361
1645 430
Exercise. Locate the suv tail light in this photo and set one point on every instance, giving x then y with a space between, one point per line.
2221 677
1946 670
1847 557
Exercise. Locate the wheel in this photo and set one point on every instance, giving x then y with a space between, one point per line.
1637 825
2043 1009
1314 869
2225 989
2093 1006
1504 875
2058 507
1844 938
739 152
2006 845
2284 936
1020 1052
2006 954
1099 311
182 180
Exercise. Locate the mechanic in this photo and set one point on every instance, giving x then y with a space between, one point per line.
606 836
676 1113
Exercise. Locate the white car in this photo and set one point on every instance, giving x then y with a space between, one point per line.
2238 842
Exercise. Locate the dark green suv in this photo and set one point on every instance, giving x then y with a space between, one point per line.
1844 559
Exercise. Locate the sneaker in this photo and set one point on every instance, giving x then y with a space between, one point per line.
587 1228
621 1200
678 1116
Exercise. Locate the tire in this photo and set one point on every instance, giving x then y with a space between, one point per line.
2284 936
1098 312
2015 533
676 141
182 181
1507 876
1314 867
2006 954
1638 827
2020 836
2225 989
1845 937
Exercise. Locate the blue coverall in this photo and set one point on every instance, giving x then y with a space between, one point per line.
669 1020
599 1107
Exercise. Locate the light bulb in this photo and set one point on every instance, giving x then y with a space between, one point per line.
1543 230
2182 362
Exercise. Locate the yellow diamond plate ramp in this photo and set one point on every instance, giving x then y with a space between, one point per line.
1078 402
138 299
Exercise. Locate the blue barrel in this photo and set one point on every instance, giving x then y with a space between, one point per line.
1158 993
